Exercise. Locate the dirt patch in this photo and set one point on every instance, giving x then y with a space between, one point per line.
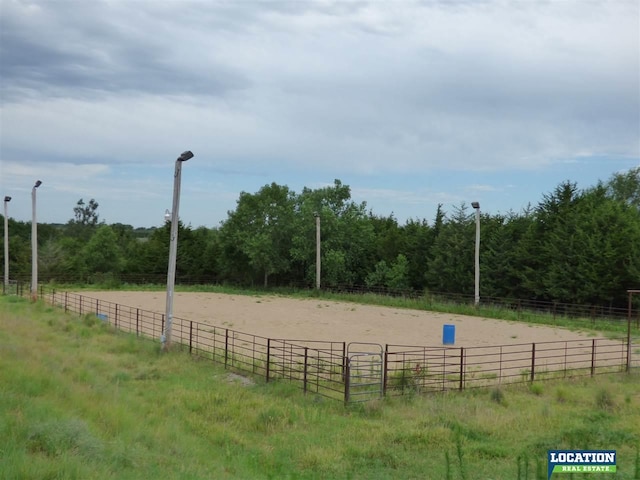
317 319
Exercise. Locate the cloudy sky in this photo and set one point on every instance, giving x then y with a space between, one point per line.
412 104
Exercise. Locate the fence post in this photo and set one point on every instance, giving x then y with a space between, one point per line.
97 306
268 358
80 302
444 369
226 347
213 349
66 300
137 322
347 380
533 361
284 358
115 320
344 355
190 336
461 368
593 357
306 352
385 370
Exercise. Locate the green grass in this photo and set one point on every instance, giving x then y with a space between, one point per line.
80 401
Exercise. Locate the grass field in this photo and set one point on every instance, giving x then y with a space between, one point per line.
79 401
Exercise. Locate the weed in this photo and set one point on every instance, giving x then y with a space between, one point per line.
561 395
271 420
60 437
536 389
460 455
447 465
605 400
497 395
402 380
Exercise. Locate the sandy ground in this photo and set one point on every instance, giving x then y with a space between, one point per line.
317 319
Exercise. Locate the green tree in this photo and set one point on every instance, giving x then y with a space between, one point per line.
625 187
102 254
536 252
501 254
379 276
258 233
418 241
394 276
85 220
594 251
451 268
347 237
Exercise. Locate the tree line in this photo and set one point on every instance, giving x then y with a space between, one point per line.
575 246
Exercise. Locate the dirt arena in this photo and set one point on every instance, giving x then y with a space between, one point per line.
318 319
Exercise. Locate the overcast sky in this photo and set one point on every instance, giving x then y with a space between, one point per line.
411 104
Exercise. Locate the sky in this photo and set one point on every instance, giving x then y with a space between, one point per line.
412 104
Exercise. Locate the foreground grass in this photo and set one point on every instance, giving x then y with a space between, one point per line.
79 401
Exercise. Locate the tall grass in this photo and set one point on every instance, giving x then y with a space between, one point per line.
80 401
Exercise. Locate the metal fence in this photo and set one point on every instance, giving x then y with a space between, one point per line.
351 373
521 308
429 369
314 366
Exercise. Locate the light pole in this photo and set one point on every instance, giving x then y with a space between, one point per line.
629 310
173 248
7 199
34 244
318 266
476 206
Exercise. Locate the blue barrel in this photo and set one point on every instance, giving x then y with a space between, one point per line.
448 334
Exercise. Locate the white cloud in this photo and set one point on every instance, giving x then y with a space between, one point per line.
339 89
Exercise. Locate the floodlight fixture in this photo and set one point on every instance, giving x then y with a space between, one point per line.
184 156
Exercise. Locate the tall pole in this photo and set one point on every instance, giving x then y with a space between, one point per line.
6 245
629 311
34 244
173 249
318 266
476 206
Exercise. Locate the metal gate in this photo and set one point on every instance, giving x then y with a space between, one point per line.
364 372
